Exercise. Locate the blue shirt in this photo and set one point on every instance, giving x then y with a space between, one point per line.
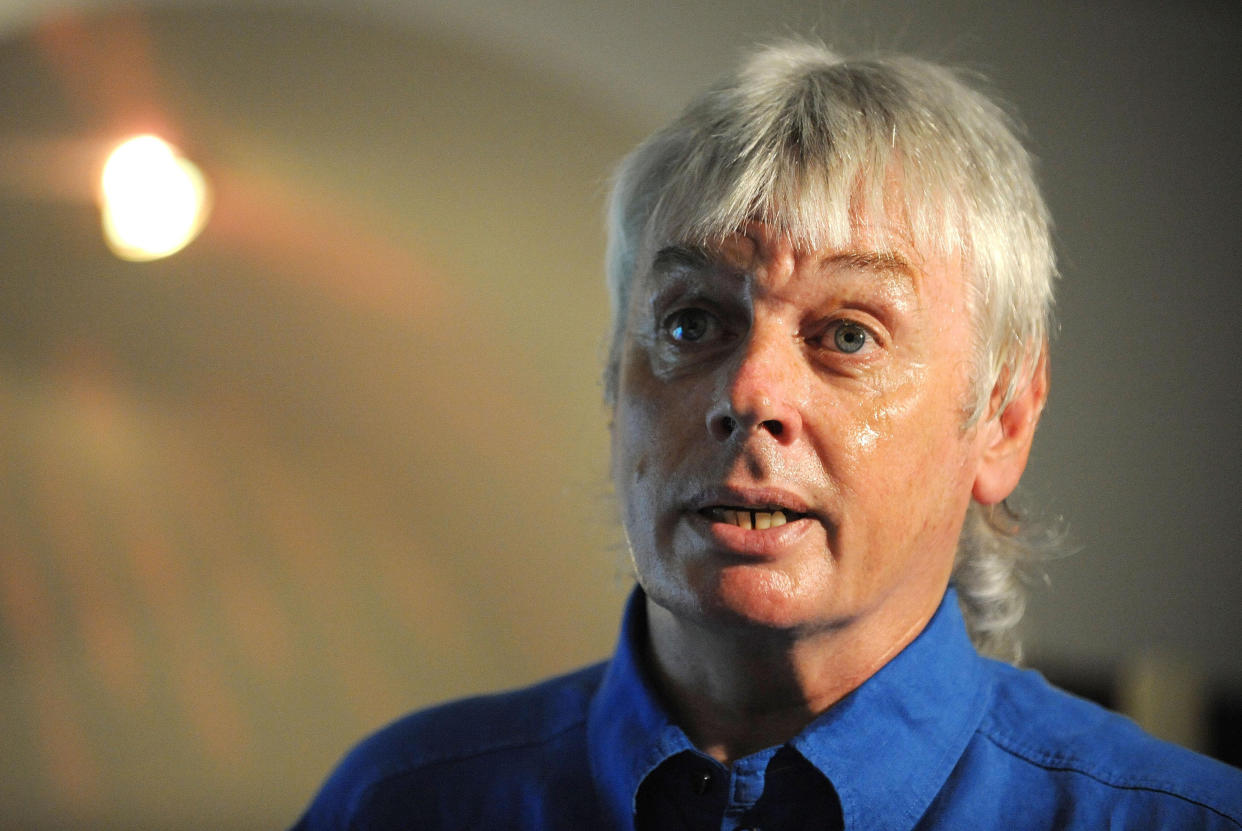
939 737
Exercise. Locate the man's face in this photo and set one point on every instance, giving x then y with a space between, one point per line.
821 394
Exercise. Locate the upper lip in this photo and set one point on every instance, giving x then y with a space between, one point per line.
753 499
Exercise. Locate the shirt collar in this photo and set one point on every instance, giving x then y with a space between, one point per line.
628 730
887 747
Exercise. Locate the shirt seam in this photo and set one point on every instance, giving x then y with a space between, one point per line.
1073 764
417 765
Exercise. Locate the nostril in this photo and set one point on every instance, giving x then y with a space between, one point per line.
774 427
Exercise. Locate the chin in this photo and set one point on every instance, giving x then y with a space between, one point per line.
766 599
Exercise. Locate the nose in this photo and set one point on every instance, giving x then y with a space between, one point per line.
759 390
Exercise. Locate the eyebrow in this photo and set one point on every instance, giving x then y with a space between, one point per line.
882 261
673 257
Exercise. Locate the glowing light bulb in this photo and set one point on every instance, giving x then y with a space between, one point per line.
153 201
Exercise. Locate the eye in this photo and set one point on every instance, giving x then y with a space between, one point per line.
690 325
849 337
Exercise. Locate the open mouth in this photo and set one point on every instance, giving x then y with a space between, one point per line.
751 518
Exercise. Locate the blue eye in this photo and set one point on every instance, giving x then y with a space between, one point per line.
849 337
689 325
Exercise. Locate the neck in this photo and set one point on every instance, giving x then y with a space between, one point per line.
736 691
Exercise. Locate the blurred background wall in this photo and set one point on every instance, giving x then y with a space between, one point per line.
344 455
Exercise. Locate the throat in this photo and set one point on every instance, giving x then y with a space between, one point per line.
736 696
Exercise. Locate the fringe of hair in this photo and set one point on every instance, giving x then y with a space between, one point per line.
999 555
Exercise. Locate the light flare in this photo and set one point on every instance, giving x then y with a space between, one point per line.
153 200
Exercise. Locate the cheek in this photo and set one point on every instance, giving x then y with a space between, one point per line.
638 437
878 423
918 412
629 452
652 421
901 445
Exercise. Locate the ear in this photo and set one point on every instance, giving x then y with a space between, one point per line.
1007 435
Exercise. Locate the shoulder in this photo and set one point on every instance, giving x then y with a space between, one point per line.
493 739
1100 756
483 724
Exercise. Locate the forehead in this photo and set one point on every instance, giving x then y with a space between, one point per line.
881 258
742 254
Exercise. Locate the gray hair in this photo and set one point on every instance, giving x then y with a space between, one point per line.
817 146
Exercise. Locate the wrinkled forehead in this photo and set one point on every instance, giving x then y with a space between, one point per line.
879 247
881 209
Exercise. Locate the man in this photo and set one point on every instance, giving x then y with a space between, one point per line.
830 287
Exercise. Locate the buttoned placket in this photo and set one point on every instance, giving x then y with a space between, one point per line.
746 782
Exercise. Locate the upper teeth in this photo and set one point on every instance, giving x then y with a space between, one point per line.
743 518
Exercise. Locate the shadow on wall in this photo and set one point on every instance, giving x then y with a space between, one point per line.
325 464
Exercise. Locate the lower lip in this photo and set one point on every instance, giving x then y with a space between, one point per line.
757 543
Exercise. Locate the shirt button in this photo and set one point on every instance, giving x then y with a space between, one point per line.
701 783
